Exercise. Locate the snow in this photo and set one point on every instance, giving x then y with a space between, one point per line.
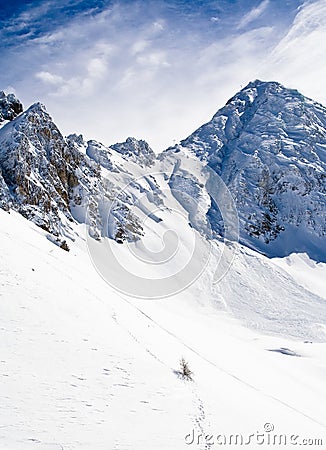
306 272
83 367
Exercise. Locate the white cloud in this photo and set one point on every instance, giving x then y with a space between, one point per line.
139 46
253 14
158 25
97 68
49 78
154 59
299 59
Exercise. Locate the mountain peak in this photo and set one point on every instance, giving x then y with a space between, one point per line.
38 106
136 150
256 92
268 145
10 106
260 83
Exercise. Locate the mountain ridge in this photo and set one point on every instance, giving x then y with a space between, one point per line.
267 144
50 180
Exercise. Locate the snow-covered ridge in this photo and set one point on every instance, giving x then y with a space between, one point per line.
267 144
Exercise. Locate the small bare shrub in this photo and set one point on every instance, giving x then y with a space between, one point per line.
185 371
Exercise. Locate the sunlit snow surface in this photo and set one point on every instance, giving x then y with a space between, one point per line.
84 368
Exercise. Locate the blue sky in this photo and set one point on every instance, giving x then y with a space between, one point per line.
155 69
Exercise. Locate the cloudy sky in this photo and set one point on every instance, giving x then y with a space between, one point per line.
155 69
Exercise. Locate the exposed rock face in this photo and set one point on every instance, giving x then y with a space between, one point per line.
136 150
10 107
51 181
33 166
268 144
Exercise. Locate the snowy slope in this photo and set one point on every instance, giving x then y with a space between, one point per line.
83 367
308 273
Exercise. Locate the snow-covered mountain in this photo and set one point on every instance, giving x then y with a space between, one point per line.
52 180
268 144
86 365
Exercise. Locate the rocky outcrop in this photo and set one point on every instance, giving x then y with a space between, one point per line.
10 107
137 151
50 180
